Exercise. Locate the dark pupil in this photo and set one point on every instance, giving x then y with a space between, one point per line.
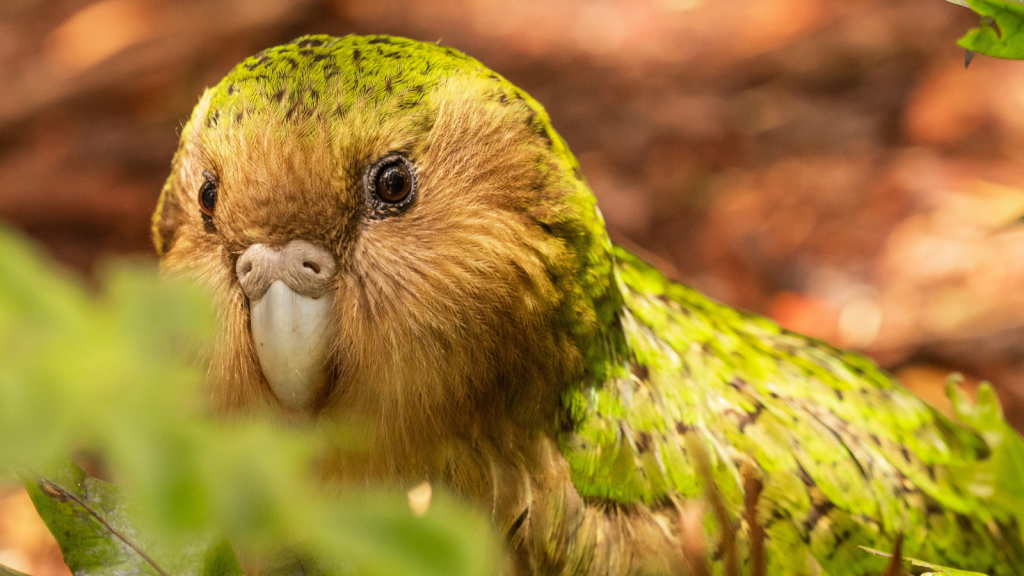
208 196
393 183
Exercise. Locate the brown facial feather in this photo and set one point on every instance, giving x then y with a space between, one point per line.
447 315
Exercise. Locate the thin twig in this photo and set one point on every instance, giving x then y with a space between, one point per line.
54 491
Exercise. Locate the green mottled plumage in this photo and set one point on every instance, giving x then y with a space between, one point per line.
590 378
846 456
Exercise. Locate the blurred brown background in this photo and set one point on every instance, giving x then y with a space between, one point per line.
829 164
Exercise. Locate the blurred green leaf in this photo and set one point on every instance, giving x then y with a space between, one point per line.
299 563
220 561
998 477
120 374
5 571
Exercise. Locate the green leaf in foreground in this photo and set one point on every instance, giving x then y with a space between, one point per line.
998 477
120 374
84 516
89 519
1000 32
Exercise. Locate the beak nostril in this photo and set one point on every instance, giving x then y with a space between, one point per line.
303 268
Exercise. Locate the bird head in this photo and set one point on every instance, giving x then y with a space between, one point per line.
392 230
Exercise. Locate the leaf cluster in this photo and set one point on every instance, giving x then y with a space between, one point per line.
116 374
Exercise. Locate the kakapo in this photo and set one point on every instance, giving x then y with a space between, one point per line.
396 234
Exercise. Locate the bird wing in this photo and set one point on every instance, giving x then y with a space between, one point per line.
843 454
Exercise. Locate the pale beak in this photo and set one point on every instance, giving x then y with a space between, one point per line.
291 308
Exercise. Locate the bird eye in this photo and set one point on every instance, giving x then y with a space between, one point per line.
208 197
394 182
390 185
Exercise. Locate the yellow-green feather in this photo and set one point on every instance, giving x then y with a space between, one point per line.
848 458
